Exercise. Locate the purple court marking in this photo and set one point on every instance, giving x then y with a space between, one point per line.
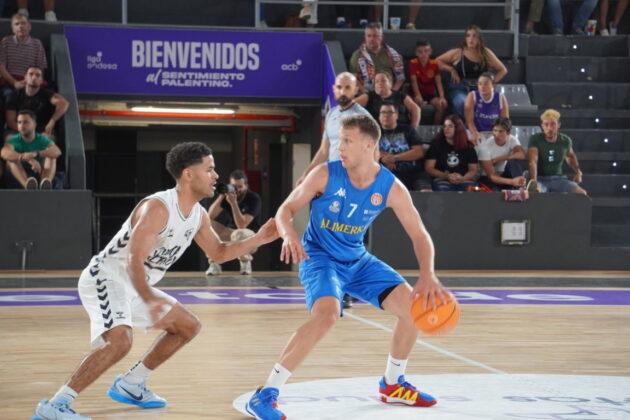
286 296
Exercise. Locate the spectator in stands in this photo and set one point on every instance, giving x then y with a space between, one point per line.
18 52
49 9
411 18
46 104
498 157
465 64
344 89
308 13
482 107
579 20
374 56
401 150
605 30
547 152
451 160
408 111
31 157
535 13
426 81
234 216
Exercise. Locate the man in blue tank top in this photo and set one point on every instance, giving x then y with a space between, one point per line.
346 196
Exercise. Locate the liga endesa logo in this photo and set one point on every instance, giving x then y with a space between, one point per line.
95 62
292 67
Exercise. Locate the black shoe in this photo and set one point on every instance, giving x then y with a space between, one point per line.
347 301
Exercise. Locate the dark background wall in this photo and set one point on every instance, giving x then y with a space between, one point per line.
58 223
465 228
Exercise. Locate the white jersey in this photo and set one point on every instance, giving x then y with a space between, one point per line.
171 243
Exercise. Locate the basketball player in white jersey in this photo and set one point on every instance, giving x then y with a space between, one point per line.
117 287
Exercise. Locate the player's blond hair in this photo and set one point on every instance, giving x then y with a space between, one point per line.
550 114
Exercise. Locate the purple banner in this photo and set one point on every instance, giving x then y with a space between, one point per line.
195 63
286 296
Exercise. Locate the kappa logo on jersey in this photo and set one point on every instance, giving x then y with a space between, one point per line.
334 207
169 233
341 192
376 199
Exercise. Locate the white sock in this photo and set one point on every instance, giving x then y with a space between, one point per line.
394 369
65 394
279 376
138 374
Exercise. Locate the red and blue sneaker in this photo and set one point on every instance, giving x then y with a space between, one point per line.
404 393
263 405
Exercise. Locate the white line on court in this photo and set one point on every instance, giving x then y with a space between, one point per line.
430 346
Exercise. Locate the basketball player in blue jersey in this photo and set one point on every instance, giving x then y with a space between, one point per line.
346 196
117 290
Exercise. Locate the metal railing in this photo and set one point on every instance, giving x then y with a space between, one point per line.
514 23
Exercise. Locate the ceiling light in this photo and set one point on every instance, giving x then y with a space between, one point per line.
224 111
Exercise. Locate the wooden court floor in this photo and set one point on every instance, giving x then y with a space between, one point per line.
238 344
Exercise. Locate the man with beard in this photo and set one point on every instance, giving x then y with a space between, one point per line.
47 105
234 216
344 89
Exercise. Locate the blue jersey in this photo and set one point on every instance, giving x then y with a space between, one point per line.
340 217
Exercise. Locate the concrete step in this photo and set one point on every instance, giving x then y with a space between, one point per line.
617 235
604 165
586 118
577 95
594 140
607 210
607 185
578 69
579 46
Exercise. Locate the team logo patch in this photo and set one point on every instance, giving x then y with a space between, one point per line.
376 199
334 207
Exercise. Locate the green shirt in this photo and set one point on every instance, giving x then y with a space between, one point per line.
40 142
381 60
550 154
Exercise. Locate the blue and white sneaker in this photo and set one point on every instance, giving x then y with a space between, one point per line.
135 394
263 405
47 410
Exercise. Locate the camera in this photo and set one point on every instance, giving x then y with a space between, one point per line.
225 188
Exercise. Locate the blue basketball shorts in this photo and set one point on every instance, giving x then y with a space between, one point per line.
367 278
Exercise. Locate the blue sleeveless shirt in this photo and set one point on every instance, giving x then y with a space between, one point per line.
340 217
486 112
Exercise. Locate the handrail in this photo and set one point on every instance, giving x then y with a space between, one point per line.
73 135
515 12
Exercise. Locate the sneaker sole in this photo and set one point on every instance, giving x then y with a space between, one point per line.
254 415
121 398
389 400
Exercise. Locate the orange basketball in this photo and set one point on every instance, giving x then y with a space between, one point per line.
440 320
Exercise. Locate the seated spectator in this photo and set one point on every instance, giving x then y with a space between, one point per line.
48 106
498 157
374 56
49 9
408 111
546 153
234 216
579 20
535 13
426 81
610 28
451 160
31 157
483 106
308 12
18 52
465 64
401 150
411 17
